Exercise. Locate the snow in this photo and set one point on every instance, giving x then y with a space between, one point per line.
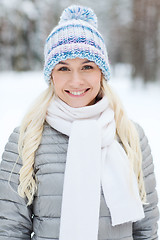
29 9
18 90
26 7
10 4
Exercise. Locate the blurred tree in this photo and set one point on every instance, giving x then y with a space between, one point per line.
131 30
17 30
145 26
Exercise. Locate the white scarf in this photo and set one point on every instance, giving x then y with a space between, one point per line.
94 158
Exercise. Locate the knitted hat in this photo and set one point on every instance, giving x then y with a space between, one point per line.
76 35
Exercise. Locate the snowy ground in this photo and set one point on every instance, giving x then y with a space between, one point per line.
18 90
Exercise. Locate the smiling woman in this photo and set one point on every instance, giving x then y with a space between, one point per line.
77 81
77 168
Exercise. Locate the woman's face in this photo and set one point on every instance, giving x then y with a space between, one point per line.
77 81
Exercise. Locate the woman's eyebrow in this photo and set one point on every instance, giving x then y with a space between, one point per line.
62 63
87 61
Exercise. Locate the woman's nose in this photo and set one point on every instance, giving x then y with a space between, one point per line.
76 79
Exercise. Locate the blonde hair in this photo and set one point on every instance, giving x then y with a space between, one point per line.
31 133
29 140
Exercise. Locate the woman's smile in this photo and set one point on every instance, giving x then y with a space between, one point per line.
77 93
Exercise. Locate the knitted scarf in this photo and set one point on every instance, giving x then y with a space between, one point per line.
94 159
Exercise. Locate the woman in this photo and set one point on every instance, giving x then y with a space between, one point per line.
82 169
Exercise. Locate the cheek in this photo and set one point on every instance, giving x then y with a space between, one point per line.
58 85
97 82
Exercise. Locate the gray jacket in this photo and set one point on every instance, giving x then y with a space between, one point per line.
17 221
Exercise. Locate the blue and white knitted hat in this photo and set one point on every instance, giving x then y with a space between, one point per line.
76 35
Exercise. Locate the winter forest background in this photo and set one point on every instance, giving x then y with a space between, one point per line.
131 29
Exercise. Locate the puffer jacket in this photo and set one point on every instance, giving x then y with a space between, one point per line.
41 220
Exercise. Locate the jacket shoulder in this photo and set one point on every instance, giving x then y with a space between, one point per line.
147 160
10 158
12 143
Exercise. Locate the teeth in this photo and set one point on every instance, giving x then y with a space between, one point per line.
77 93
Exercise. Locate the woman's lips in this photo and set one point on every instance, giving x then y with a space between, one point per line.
79 93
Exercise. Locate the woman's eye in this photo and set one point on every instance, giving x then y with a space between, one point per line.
87 67
63 69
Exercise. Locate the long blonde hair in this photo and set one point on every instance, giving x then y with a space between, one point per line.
31 133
